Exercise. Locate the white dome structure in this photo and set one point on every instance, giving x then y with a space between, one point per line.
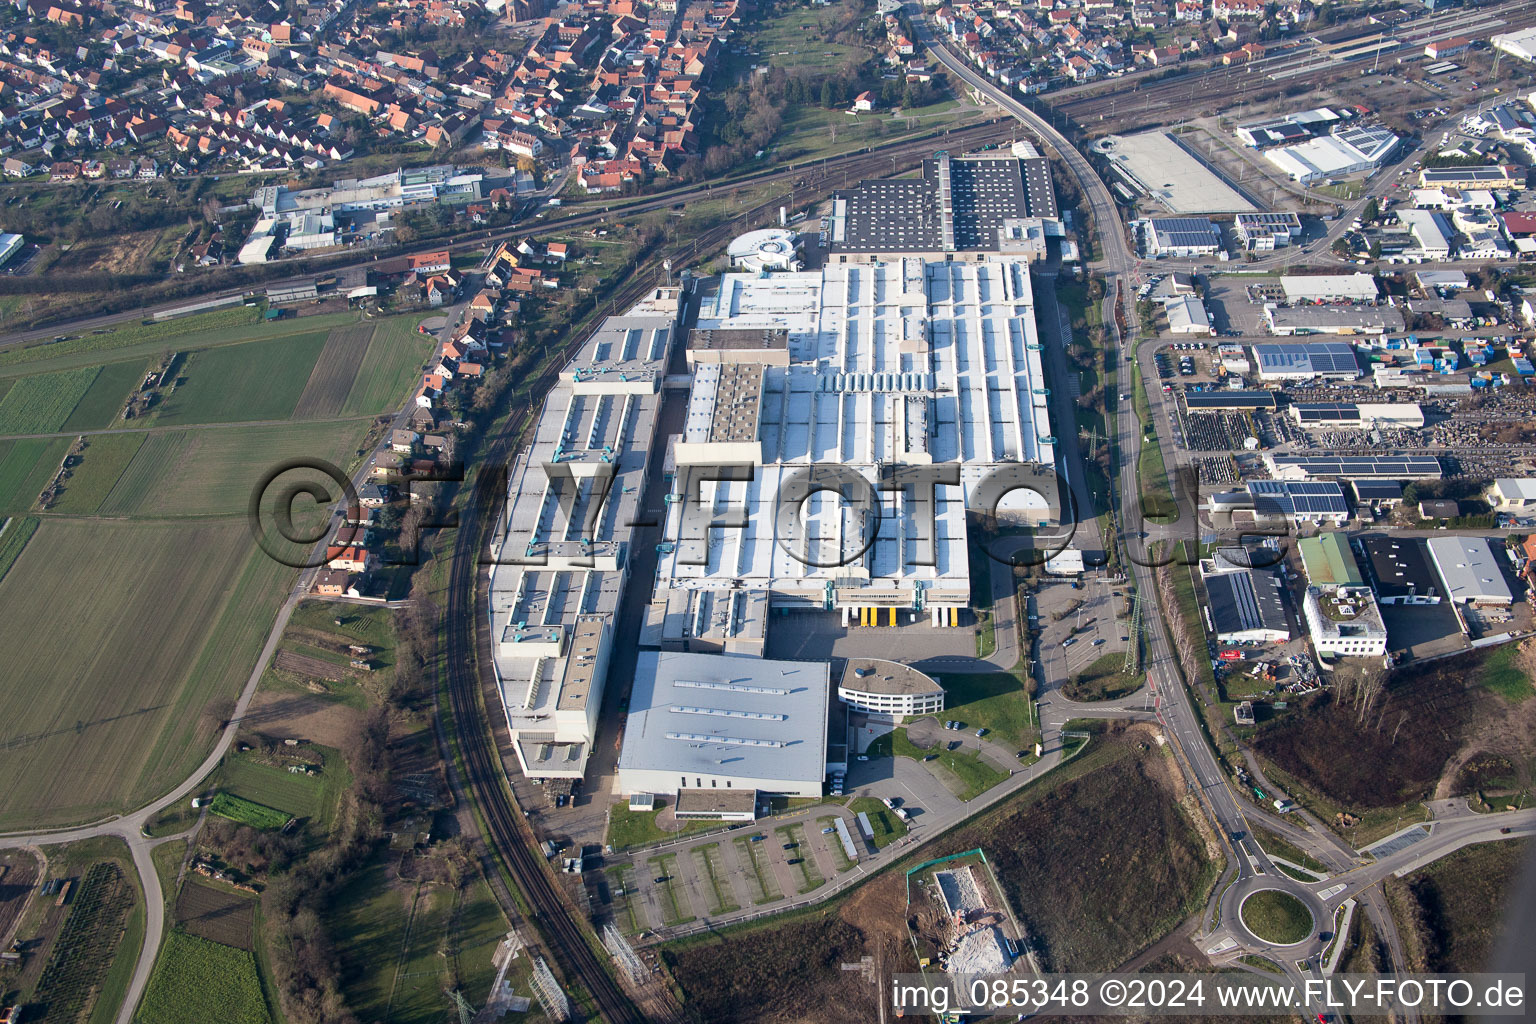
768 249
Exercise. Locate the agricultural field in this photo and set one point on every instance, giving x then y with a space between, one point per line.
216 913
41 403
103 401
198 980
91 478
183 608
331 380
82 951
238 383
390 367
13 538
26 466
248 812
314 654
213 471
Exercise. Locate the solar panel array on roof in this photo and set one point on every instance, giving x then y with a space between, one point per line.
1378 490
1389 467
1292 498
1327 412
1185 232
1320 357
911 215
1228 399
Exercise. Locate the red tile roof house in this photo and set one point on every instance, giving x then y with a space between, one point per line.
348 559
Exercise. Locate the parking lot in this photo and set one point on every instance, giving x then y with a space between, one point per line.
1227 301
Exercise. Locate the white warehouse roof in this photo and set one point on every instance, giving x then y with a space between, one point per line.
719 715
1469 570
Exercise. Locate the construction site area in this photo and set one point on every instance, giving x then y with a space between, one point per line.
959 921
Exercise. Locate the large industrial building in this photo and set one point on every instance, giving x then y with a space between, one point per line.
1328 360
963 207
1469 569
1287 321
721 722
1246 606
893 368
1182 237
560 549
1353 467
1329 288
1399 570
1345 152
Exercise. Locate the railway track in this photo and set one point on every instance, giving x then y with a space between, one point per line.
805 177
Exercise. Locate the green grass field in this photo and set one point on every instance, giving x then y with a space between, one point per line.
198 980
882 820
213 471
293 793
1503 676
99 407
1276 916
117 637
41 403
242 382
103 461
26 466
390 367
141 341
248 812
994 701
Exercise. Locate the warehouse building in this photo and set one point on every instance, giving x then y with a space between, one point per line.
1329 360
1329 563
1353 467
1356 416
888 689
1246 606
1431 230
964 206
1317 502
1346 152
1469 571
1399 570
1508 494
1186 315
560 548
1299 288
1180 236
1287 321
1266 232
1521 44
716 722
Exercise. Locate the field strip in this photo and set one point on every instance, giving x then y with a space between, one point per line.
173 427
331 380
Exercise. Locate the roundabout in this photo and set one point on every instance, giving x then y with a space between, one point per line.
1276 917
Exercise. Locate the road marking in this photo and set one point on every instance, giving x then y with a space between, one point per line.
1330 892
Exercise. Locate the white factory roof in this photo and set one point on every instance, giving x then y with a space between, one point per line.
1304 287
1469 570
1342 153
1520 44
901 362
715 714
